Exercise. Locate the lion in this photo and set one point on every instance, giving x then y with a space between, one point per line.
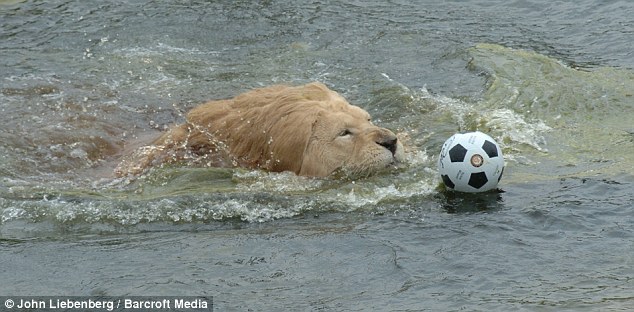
309 130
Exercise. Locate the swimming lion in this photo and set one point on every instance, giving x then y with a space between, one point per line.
309 130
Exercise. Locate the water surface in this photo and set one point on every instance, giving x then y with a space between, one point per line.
551 81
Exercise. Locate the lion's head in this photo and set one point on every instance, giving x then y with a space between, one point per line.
310 130
343 139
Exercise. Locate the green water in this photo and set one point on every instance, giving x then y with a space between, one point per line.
589 112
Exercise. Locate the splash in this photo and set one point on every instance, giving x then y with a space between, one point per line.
436 117
586 113
538 86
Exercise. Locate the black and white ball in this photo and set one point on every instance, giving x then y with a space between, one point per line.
471 162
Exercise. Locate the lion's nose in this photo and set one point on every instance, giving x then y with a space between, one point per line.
389 142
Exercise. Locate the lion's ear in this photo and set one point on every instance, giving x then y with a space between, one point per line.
288 141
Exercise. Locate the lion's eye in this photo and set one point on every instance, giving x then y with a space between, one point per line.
345 132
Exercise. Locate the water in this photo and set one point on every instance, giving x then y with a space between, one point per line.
553 82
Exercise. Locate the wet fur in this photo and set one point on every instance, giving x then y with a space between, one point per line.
278 128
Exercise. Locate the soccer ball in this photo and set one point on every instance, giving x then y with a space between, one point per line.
471 162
